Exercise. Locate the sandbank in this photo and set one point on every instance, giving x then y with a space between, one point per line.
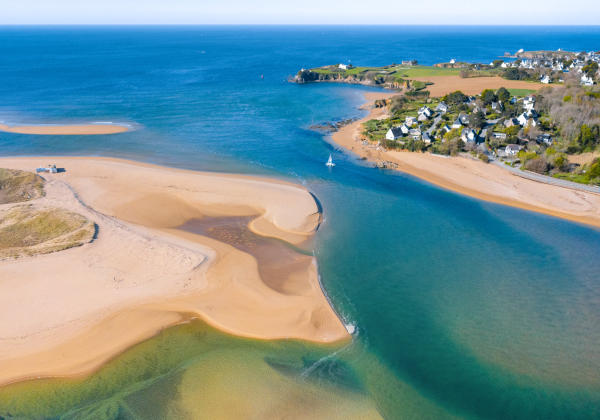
69 312
480 180
88 129
473 85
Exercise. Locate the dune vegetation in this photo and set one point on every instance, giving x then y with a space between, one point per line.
18 186
27 231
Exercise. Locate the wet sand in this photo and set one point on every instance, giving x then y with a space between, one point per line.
68 313
88 129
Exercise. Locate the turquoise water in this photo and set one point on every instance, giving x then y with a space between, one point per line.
464 308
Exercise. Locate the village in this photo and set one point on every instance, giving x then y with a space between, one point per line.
517 131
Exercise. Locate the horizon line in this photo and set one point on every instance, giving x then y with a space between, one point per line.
293 24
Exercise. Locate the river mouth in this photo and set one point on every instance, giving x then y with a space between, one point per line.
281 268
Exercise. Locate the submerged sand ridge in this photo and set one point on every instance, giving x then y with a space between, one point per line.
67 313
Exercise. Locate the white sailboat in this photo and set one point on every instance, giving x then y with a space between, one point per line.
330 162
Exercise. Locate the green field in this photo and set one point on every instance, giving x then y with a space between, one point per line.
402 71
521 92
427 71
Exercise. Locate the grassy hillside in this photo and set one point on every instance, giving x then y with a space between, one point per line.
18 186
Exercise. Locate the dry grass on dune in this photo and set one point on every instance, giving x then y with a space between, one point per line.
27 231
18 186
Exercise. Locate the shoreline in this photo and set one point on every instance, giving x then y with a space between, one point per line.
66 130
143 274
476 179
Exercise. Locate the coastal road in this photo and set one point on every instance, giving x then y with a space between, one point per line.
488 124
435 121
545 179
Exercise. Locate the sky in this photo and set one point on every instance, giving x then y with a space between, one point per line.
399 12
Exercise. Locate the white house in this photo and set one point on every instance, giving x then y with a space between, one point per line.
457 124
468 134
404 129
394 133
344 66
499 135
425 110
453 61
446 127
425 137
522 119
415 133
423 117
587 80
504 65
464 119
442 107
544 138
411 121
545 79
512 149
529 102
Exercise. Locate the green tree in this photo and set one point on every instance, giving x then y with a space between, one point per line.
497 63
503 95
513 130
452 134
455 98
512 74
488 96
477 120
594 171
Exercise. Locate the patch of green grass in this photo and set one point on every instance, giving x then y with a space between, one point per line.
18 186
581 179
428 71
521 92
25 231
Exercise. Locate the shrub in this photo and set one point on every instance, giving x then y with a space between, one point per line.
538 165
567 98
594 171
484 158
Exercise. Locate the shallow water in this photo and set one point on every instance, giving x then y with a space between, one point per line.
464 309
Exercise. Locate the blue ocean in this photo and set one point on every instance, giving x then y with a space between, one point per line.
464 309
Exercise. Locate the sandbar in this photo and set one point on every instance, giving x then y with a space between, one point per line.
68 313
87 129
477 179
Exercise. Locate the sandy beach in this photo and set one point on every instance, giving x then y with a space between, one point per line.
477 179
88 129
67 313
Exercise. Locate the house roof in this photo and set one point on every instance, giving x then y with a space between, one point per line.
512 147
458 121
396 131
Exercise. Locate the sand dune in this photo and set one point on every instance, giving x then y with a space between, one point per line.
66 129
66 313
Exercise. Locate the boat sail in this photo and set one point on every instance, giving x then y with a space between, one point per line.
330 162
